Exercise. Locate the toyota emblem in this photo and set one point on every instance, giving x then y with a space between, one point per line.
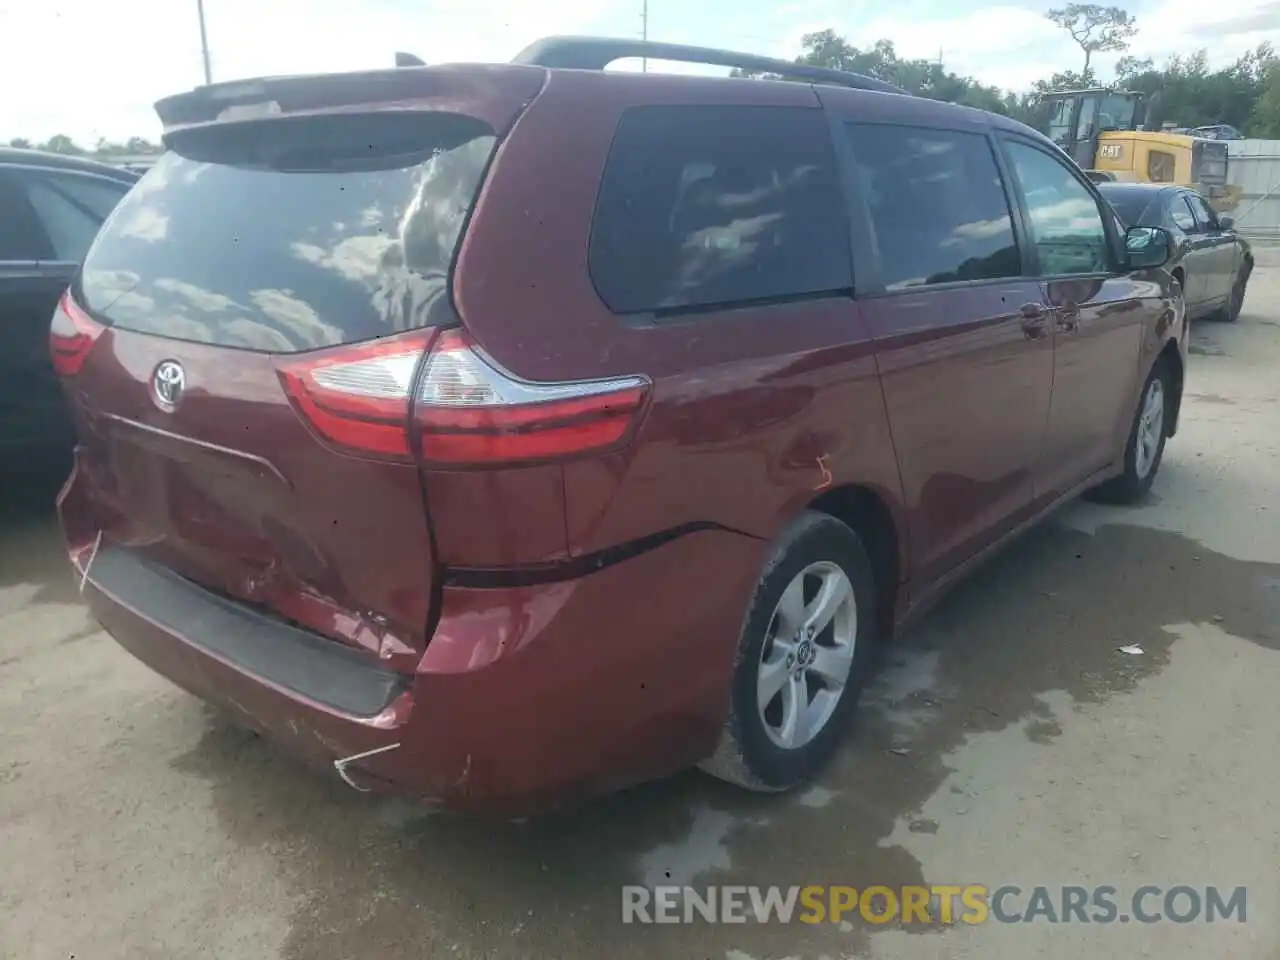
170 379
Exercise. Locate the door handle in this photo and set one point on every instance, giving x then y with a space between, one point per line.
1035 320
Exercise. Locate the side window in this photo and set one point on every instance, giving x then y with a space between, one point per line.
71 209
95 195
22 237
1182 215
710 206
1066 226
937 205
1205 217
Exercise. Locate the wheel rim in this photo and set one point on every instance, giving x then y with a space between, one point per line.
807 655
1150 429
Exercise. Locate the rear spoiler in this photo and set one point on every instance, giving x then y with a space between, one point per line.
480 86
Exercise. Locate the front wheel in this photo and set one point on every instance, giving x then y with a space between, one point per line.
1145 449
803 655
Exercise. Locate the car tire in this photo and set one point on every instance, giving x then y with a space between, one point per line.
1231 312
1144 450
781 657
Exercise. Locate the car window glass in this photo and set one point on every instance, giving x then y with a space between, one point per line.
1182 214
351 225
21 237
70 224
98 196
1204 216
937 205
1066 225
703 206
1129 206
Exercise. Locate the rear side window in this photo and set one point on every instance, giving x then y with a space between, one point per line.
937 204
71 208
22 235
294 234
715 206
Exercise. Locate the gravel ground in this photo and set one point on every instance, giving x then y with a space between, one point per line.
1008 741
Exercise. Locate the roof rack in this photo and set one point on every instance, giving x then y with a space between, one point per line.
596 53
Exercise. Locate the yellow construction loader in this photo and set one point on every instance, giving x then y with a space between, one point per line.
1115 135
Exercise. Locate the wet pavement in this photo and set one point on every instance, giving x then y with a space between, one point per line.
1007 740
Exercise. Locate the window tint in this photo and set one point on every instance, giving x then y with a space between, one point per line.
704 206
97 195
292 236
1182 214
1205 217
22 237
1129 206
72 210
1066 225
937 205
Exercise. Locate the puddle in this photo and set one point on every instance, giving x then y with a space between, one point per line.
1018 648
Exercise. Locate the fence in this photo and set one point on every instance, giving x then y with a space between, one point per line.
1255 166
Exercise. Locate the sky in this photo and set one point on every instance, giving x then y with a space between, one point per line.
93 68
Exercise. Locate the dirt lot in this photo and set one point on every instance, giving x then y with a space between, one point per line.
1010 741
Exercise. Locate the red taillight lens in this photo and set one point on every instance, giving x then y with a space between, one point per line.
358 397
470 412
72 335
467 410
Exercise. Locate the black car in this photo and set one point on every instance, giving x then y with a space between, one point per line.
51 207
1210 260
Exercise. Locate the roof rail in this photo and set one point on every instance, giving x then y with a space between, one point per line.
596 53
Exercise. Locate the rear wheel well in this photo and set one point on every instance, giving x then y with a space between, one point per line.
867 514
1172 359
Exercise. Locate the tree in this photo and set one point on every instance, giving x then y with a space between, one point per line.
1265 121
22 143
925 78
1097 29
61 143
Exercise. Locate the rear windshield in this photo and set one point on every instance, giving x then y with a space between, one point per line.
291 235
1129 206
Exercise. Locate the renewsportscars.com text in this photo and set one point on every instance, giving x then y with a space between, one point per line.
935 904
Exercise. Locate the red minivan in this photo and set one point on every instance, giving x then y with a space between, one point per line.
506 433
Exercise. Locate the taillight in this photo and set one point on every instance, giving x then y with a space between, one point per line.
470 412
467 411
358 397
72 334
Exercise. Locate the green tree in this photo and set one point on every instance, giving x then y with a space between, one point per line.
925 78
1192 95
22 143
1265 121
1095 28
61 143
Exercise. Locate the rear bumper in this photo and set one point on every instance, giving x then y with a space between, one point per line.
525 697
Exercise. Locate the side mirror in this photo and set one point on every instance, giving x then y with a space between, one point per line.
1147 247
1226 223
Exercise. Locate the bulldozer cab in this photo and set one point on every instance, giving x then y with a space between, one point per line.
1078 117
